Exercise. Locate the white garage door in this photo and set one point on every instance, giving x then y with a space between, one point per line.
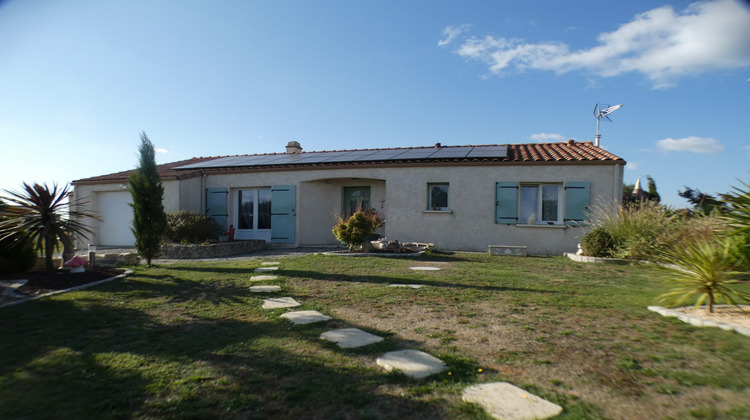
117 219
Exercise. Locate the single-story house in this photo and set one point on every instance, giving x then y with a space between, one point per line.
457 197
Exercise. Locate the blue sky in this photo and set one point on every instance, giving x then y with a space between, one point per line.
79 80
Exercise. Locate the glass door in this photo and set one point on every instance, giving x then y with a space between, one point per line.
253 216
355 199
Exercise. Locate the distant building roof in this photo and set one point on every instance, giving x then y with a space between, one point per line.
569 152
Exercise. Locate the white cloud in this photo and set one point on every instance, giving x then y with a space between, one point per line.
632 166
547 137
700 145
451 32
661 44
161 150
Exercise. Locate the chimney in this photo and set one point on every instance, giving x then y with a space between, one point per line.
293 147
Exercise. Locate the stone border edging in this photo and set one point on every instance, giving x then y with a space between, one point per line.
598 260
72 289
698 322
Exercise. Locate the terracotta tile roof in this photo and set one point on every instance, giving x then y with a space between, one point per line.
559 152
539 153
166 171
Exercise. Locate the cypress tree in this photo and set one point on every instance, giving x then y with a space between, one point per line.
149 220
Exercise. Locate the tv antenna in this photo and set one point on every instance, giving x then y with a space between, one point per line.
603 110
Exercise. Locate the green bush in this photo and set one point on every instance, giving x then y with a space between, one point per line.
598 243
16 256
355 230
192 228
640 232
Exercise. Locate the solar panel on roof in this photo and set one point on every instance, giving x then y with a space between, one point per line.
451 152
354 156
417 153
381 155
489 151
349 156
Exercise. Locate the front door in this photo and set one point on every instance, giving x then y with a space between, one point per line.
253 214
355 199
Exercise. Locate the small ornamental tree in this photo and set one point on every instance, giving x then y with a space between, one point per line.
355 230
149 220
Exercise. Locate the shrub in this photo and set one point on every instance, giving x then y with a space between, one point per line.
188 227
355 230
640 231
598 243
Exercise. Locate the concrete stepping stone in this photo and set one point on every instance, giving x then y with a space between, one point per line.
348 338
265 269
413 286
270 263
264 277
305 317
264 289
282 302
420 268
413 363
504 401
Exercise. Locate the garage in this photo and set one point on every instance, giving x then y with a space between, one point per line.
117 219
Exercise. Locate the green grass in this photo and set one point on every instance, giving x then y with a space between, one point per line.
190 341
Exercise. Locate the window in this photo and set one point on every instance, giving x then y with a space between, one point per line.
540 204
437 197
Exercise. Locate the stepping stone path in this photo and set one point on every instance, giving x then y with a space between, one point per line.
504 401
264 289
282 302
413 363
348 338
263 277
305 317
270 263
501 400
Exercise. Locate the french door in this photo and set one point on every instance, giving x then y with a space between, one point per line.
252 218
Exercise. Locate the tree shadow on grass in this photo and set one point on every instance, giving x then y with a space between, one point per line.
386 280
87 360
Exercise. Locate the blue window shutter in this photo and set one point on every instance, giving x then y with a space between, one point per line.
283 213
216 205
577 197
506 203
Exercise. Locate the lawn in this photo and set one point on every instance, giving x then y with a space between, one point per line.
190 341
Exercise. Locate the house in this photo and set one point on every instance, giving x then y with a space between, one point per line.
457 197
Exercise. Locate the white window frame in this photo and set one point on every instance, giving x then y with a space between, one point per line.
430 206
537 212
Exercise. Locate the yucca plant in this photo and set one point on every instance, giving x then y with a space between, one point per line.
738 215
704 271
44 216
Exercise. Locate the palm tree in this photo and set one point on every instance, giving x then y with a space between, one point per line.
44 215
